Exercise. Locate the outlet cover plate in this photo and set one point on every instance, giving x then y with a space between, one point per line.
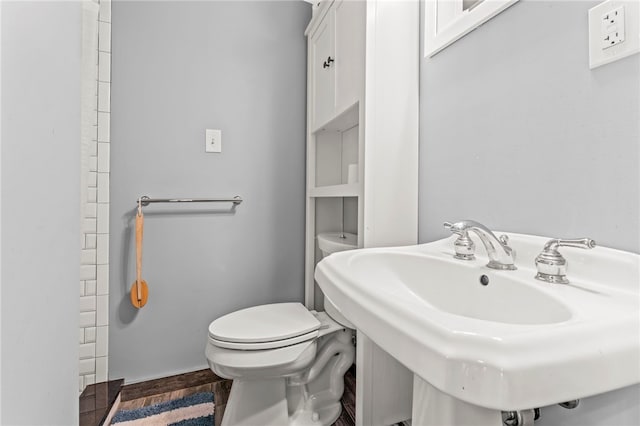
612 28
601 53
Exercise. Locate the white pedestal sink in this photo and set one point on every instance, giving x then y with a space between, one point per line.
515 343
435 408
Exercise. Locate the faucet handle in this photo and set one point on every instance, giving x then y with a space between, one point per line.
552 266
583 243
463 246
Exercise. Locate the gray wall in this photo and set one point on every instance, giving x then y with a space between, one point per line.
40 212
518 133
177 69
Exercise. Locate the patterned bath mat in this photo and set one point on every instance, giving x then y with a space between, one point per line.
193 410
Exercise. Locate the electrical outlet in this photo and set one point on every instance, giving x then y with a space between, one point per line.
614 31
612 27
213 140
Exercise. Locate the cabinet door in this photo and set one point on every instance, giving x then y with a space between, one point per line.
323 69
349 47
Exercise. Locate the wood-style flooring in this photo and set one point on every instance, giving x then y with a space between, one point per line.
156 391
96 401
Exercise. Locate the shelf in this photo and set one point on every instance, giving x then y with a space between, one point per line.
346 190
343 120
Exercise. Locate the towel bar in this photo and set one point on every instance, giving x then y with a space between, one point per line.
145 200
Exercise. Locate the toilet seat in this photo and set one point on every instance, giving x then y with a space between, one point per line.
264 327
290 358
274 344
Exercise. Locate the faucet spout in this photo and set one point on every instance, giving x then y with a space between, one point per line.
501 256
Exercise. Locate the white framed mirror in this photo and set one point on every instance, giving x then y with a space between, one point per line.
449 20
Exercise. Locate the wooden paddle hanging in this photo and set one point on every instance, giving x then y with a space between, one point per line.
139 291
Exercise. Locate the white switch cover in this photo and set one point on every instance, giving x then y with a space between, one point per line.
614 31
213 140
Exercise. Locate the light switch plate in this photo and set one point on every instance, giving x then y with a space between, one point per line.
610 41
213 140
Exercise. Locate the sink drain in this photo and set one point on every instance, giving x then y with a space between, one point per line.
484 280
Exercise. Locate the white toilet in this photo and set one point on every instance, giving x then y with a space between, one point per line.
287 363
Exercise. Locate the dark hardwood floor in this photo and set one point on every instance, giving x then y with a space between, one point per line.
96 401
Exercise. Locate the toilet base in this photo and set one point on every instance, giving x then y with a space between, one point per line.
256 402
264 403
325 416
309 398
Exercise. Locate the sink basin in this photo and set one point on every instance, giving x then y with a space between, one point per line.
496 339
460 289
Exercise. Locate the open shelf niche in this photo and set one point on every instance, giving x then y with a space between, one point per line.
336 150
334 193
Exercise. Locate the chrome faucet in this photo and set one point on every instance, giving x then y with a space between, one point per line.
501 256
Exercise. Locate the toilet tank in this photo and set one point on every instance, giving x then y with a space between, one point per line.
333 242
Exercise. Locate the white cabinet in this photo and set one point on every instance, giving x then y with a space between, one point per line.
362 103
362 115
336 64
349 52
362 111
323 70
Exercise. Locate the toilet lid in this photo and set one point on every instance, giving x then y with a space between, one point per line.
264 323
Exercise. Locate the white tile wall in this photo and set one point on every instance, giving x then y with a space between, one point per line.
104 41
87 303
103 187
102 341
87 319
87 350
104 70
103 126
87 272
103 279
105 11
101 369
87 366
91 210
94 266
92 195
90 288
103 219
90 335
102 257
88 257
102 310
103 97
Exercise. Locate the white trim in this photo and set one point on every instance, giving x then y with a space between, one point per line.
390 211
0 208
461 22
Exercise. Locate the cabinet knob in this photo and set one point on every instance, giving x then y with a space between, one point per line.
327 63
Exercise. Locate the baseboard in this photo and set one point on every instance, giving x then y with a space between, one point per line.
168 384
